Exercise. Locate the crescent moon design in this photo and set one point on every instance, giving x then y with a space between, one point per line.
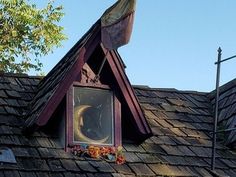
78 123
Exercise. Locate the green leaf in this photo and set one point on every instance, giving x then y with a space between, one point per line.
14 33
26 33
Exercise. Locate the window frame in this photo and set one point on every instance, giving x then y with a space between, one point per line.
117 129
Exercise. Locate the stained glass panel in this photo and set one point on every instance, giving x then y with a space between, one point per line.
93 116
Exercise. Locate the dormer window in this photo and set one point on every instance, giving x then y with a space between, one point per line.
78 109
93 116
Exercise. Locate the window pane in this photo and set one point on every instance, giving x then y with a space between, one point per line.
93 116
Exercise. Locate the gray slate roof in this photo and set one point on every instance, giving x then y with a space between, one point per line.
227 111
181 146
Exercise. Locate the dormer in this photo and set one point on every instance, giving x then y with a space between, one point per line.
79 107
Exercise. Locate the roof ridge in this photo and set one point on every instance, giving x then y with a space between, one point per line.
10 74
144 87
19 75
227 86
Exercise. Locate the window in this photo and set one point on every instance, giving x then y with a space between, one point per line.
93 116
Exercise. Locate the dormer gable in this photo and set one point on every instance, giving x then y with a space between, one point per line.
73 78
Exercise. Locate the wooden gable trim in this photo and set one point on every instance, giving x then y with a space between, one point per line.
61 90
83 55
127 92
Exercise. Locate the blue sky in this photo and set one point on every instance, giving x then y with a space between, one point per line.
174 42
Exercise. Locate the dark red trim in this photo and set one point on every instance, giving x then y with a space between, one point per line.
117 122
91 85
69 118
127 92
61 90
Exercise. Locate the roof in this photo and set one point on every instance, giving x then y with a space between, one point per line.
227 111
181 145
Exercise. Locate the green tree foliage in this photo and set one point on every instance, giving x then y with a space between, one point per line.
27 33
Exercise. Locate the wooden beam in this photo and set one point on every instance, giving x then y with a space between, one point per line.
127 92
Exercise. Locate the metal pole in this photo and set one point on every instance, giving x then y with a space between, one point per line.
226 59
226 130
96 78
216 110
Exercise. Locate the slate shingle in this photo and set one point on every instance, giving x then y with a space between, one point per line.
31 164
12 94
56 175
167 140
27 174
70 165
47 153
149 158
131 157
46 174
165 170
153 148
175 160
2 110
1 173
133 148
25 152
55 165
122 169
11 173
229 163
85 166
102 166
141 169
3 94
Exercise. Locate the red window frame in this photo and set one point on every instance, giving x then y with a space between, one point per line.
69 115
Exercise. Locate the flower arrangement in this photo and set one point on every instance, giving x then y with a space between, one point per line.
108 153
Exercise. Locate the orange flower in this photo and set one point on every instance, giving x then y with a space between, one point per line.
112 150
104 151
109 153
120 159
94 151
